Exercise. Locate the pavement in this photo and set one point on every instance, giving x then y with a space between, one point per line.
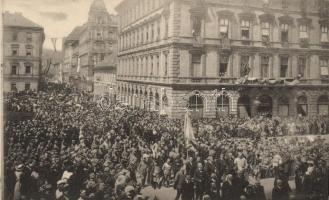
170 194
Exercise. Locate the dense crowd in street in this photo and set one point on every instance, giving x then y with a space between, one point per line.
73 149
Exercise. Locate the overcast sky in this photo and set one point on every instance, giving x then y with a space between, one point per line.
58 17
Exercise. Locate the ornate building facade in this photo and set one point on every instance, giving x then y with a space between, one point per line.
225 57
22 53
88 45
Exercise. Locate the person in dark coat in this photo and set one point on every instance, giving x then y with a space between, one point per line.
199 181
228 188
280 192
239 183
256 192
187 188
179 181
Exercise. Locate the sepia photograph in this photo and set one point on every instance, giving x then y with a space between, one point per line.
164 100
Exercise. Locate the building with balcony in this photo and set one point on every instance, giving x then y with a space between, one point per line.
22 53
224 57
88 45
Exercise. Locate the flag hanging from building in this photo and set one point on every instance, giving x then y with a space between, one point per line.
78 69
188 129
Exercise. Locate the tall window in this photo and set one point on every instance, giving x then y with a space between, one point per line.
301 66
166 64
13 87
29 37
303 32
151 71
14 51
158 30
27 86
302 106
265 32
223 65
15 36
284 33
283 106
324 67
196 26
284 66
196 65
224 27
244 68
152 32
99 36
265 62
324 34
28 52
13 70
166 27
158 65
147 34
27 69
245 29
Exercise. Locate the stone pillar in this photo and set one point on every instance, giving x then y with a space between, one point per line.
276 66
294 67
236 64
257 66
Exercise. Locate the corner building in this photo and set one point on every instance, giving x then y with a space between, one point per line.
224 57
22 53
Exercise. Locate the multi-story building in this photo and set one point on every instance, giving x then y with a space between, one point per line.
88 45
105 81
22 52
225 57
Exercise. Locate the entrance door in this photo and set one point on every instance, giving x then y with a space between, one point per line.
265 106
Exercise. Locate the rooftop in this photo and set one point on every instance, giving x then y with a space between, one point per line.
18 20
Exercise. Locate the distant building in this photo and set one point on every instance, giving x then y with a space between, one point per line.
22 52
105 78
225 57
88 45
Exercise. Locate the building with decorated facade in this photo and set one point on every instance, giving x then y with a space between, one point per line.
224 57
88 45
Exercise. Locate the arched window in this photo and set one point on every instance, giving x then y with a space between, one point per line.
265 105
302 107
244 107
283 106
195 104
323 105
223 106
157 102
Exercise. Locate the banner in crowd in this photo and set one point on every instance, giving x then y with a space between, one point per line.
188 129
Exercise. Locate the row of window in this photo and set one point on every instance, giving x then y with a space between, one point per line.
148 33
196 103
13 87
246 66
101 35
27 38
141 8
15 50
266 30
144 65
15 71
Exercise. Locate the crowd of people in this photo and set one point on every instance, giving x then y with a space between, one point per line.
73 149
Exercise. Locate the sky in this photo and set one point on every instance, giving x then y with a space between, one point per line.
58 17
